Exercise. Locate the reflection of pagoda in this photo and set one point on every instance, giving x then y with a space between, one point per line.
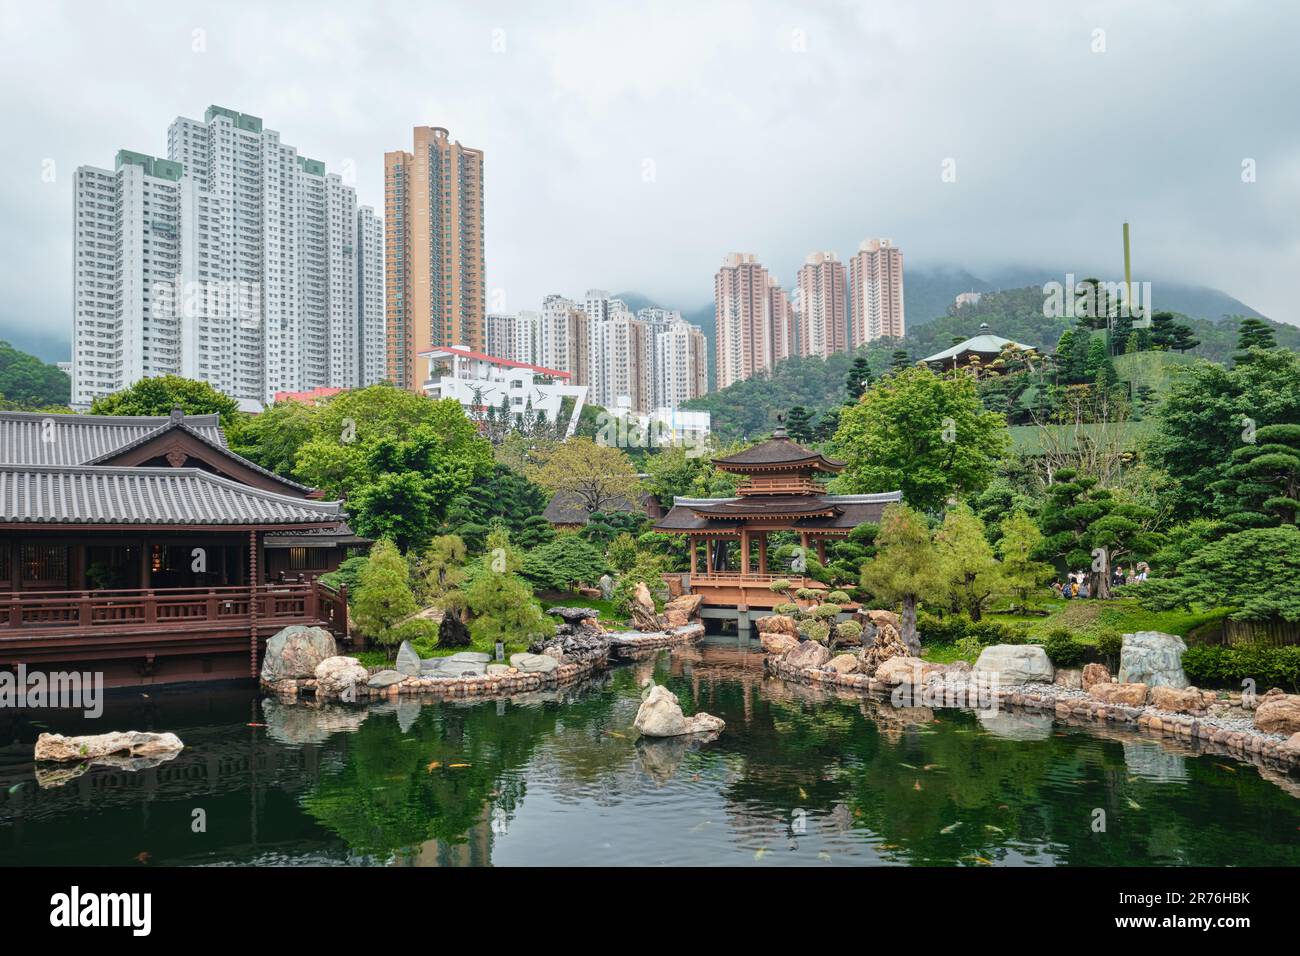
780 493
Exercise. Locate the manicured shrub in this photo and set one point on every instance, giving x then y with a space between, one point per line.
814 630
780 585
969 648
995 632
422 633
789 608
825 612
1224 665
837 597
1109 644
1063 649
848 630
941 630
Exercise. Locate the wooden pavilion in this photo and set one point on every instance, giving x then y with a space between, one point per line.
144 548
781 491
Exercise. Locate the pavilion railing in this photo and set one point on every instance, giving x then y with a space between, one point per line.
305 602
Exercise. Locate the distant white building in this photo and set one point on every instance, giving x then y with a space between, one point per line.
235 261
480 382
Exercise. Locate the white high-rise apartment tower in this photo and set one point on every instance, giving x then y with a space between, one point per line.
370 295
265 265
126 246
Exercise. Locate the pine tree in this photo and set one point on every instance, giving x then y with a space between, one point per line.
798 424
1253 334
858 379
1184 340
1162 331
901 360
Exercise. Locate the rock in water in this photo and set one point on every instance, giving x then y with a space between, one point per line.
777 643
132 743
778 624
661 716
534 663
385 678
809 654
337 676
1152 658
408 662
294 651
885 644
1016 663
453 632
1128 695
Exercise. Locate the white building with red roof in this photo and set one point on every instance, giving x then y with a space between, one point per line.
481 382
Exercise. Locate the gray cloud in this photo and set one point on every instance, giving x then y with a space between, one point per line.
633 145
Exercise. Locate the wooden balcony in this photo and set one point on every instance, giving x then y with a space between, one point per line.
93 626
745 589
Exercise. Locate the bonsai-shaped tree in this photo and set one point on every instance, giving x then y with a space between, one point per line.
816 620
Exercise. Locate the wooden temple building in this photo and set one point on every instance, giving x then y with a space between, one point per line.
781 491
145 549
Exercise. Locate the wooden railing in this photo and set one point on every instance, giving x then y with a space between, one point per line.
156 608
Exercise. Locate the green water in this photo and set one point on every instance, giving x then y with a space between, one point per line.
800 777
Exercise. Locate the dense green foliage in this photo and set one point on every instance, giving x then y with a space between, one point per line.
565 561
158 396
1220 665
923 433
27 383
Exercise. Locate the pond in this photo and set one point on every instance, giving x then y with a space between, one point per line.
800 776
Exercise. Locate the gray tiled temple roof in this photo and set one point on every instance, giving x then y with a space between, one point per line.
53 494
851 511
778 450
34 438
205 436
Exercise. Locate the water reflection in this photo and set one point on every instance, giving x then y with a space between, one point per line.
801 775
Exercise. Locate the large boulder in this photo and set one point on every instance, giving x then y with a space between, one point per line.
131 743
777 643
534 663
460 664
1152 658
1125 694
905 670
294 651
688 604
1186 700
1094 674
877 618
843 664
1016 663
808 655
381 680
408 661
778 624
1278 714
661 715
339 676
885 644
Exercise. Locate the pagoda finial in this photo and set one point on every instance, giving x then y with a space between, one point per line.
779 431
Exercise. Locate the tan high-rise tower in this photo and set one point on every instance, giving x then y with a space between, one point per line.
823 311
433 245
876 292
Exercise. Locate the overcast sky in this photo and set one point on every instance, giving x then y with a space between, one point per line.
631 146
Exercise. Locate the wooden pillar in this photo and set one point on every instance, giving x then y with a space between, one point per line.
762 552
694 548
16 565
803 546
146 559
252 604
821 550
744 551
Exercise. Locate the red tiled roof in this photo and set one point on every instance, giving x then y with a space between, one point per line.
504 363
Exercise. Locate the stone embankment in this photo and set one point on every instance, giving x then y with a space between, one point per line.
302 662
1264 730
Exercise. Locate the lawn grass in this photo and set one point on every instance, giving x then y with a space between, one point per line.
1087 619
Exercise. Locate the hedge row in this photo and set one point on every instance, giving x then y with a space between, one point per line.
1266 666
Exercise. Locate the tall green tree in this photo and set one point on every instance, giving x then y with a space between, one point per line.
1208 414
383 596
1086 527
158 396
904 570
799 425
1253 334
1020 540
966 564
1264 478
924 434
